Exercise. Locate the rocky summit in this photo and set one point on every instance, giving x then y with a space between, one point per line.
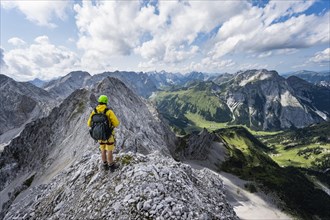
144 187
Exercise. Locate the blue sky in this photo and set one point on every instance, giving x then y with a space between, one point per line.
47 39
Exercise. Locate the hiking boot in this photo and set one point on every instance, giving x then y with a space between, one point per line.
105 166
113 167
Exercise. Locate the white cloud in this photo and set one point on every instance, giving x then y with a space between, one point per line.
42 40
39 12
108 27
261 29
321 57
112 28
151 65
15 41
42 59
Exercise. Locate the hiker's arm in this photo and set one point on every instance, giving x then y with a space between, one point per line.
113 118
89 122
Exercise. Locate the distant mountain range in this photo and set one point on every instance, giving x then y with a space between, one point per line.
221 98
259 99
143 84
318 78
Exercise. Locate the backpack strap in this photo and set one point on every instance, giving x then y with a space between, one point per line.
105 110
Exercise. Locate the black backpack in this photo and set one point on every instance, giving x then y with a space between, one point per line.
101 127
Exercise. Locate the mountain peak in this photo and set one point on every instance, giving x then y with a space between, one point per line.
65 85
251 76
78 74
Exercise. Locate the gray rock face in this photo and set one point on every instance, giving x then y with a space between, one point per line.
196 146
263 100
31 150
49 145
64 86
19 104
223 78
141 129
204 147
146 187
316 97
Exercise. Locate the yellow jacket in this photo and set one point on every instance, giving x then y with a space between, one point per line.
110 114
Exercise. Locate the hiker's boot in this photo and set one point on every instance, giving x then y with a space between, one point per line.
105 166
113 167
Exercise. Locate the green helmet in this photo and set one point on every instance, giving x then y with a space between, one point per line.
103 99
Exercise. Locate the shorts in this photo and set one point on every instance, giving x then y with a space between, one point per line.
108 145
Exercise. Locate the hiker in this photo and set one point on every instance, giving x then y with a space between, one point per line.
102 122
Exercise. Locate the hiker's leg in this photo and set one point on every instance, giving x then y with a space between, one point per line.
104 156
110 157
110 147
103 152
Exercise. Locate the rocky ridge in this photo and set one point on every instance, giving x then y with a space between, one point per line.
144 187
20 103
